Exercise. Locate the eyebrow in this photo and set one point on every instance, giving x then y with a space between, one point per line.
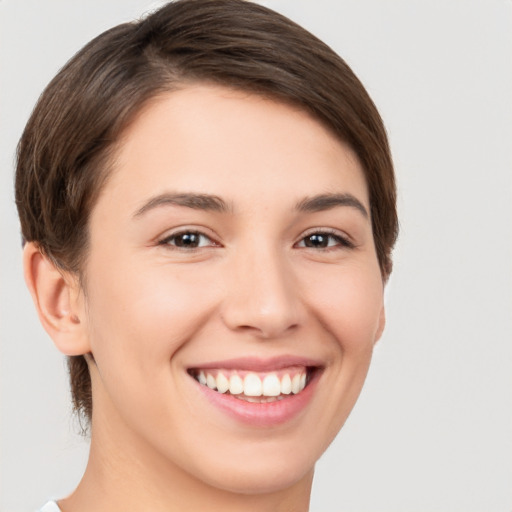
195 201
324 202
214 203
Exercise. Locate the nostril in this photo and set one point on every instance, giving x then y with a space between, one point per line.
268 330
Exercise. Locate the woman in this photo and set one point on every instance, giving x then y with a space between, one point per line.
208 206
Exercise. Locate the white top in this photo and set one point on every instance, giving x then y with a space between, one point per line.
51 506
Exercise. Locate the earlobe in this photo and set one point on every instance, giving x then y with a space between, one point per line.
58 301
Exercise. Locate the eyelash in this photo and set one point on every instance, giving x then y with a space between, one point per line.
330 235
340 240
167 240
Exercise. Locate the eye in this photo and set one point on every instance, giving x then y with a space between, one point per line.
188 240
324 240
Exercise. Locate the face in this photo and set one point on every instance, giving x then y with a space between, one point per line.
233 290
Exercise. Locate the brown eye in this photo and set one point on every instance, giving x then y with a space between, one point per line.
321 240
188 240
318 240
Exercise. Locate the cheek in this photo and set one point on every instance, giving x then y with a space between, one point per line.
349 302
140 319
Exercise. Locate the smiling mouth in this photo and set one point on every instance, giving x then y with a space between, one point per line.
256 387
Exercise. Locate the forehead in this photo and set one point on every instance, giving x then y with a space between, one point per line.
234 144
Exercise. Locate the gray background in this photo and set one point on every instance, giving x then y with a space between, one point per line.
432 430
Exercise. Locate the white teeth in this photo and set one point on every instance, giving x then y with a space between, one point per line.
296 384
236 385
286 385
222 383
302 383
211 382
252 385
271 385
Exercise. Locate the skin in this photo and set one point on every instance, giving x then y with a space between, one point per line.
253 288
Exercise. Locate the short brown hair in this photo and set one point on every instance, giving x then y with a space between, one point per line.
63 154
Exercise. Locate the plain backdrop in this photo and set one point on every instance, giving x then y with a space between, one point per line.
432 429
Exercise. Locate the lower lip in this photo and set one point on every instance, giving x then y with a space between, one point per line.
262 414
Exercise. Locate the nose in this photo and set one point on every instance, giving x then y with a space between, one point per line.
262 296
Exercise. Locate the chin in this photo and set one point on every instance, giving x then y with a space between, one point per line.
271 477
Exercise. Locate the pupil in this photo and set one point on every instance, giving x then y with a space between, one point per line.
316 241
187 240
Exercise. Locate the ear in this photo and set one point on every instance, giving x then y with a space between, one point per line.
381 324
59 301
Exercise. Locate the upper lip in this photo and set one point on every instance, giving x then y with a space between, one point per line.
257 364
